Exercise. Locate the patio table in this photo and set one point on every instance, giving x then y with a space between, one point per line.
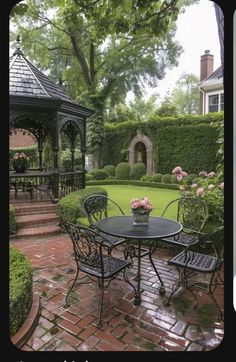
157 228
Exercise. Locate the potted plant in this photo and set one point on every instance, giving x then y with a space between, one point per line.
141 209
20 162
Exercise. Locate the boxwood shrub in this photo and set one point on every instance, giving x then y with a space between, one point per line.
110 169
20 289
70 207
166 179
12 220
122 171
99 174
137 170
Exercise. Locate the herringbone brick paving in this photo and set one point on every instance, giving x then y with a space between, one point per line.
149 327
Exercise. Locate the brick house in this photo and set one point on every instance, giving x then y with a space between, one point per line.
211 85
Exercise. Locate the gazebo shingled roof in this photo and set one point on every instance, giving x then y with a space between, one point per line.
40 107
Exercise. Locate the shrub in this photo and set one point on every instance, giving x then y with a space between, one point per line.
122 171
173 179
12 220
156 177
146 178
211 188
88 177
98 174
166 179
110 169
137 170
70 207
20 293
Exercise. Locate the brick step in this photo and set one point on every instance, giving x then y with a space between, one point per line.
38 231
36 219
39 208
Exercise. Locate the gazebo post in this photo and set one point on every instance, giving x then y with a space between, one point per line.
40 152
55 149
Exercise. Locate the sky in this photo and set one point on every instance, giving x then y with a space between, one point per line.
196 32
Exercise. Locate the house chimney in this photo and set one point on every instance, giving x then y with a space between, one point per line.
207 62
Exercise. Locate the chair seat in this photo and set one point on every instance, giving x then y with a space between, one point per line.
196 261
114 240
183 239
111 267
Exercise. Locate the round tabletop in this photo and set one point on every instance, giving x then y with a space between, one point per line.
122 226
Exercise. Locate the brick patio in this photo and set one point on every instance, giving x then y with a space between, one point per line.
148 327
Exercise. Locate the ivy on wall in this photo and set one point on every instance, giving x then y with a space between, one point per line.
188 140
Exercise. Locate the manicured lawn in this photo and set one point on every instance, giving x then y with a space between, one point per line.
122 194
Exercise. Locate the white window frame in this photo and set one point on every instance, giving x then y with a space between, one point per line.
213 93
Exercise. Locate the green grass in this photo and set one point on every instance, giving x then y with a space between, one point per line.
122 194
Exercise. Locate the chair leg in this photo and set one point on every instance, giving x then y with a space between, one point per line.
101 287
66 303
178 285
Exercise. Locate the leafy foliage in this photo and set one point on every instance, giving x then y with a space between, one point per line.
20 292
189 140
70 207
100 50
12 219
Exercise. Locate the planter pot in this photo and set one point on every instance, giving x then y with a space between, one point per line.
19 168
140 217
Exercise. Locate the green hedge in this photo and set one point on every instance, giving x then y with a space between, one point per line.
188 140
70 207
12 220
21 292
133 182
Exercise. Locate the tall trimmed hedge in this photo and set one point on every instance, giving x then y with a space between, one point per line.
188 140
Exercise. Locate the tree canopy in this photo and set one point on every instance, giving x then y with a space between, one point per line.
98 50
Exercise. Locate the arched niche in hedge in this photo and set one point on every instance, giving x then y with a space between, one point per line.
141 150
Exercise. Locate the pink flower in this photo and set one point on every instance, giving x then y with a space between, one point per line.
202 173
179 177
200 191
222 185
211 174
187 193
177 169
184 173
211 187
194 185
141 204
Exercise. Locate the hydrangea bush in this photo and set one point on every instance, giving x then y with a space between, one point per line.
209 186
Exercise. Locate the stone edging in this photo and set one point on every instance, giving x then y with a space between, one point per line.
25 331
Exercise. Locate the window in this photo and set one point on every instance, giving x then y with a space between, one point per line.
216 102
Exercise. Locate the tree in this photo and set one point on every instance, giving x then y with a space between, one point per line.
167 107
186 94
98 50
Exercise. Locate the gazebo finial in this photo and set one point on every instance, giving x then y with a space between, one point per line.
18 46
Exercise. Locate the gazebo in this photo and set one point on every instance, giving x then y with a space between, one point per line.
40 108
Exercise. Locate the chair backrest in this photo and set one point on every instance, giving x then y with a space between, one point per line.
87 250
97 207
191 212
214 242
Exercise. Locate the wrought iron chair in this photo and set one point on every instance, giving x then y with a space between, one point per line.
44 189
204 257
88 252
96 207
192 213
